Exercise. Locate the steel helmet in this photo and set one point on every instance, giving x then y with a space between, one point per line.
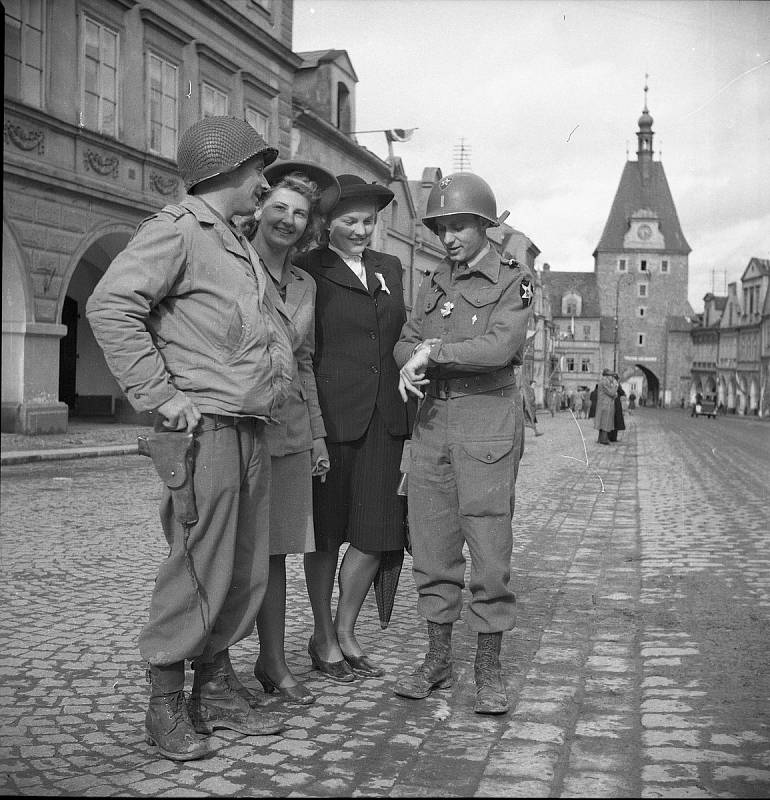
460 193
217 145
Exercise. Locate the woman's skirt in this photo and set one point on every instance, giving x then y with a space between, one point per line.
291 504
357 502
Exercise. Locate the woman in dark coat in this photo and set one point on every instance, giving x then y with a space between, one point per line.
359 314
618 421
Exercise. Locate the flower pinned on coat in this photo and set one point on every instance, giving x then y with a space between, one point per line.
446 309
383 285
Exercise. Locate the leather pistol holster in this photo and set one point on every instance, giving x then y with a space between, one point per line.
173 457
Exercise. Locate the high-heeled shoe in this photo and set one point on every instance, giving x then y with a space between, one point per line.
338 671
363 667
298 693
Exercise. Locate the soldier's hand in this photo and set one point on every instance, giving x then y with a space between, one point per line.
406 386
180 413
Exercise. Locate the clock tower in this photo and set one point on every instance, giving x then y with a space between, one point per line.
641 267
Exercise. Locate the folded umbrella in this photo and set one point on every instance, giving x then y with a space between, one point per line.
386 583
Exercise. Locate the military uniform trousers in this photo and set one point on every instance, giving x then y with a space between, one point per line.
226 552
462 476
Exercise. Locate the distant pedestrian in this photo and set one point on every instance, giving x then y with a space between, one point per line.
605 406
189 328
585 402
631 403
553 400
696 406
618 421
592 397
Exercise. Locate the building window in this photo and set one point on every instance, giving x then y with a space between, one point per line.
162 115
99 110
24 50
259 121
643 265
586 332
642 311
585 364
571 308
343 108
642 290
640 341
213 102
570 364
664 265
621 265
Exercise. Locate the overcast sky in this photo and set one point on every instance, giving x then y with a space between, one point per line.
548 93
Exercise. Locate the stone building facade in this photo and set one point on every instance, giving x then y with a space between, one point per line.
731 345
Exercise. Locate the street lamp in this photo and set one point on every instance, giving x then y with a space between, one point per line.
615 341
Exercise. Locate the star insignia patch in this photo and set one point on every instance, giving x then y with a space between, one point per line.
526 292
444 182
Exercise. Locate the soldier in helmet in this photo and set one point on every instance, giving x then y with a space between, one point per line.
458 352
192 332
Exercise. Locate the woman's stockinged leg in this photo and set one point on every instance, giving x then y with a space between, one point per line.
320 567
271 624
356 574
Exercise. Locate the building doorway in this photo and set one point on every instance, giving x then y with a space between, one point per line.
68 355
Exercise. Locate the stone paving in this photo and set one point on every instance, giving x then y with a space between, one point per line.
638 667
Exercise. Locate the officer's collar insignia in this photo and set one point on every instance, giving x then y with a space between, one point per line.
444 182
509 262
525 290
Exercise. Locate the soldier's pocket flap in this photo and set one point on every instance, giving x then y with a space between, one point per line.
481 296
488 452
431 300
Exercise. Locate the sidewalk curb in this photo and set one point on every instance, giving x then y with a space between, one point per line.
29 456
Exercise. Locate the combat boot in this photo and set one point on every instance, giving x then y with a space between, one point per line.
254 698
216 703
167 724
490 689
435 672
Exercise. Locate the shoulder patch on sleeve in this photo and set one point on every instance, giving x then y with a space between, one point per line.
526 292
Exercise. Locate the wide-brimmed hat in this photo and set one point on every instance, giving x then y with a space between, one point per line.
355 188
328 186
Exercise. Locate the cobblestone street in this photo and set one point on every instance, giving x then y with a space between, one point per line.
638 667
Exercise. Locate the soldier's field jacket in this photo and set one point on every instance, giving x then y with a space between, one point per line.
480 314
184 307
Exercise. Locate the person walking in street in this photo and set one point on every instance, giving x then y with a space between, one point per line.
530 414
593 395
618 422
291 216
191 334
462 343
585 402
606 394
359 314
631 403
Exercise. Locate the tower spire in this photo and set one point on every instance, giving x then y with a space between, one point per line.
644 134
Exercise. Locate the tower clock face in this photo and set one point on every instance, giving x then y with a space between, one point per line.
644 232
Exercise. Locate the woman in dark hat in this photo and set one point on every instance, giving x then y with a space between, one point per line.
291 216
359 314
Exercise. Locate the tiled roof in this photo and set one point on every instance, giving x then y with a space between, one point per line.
557 284
634 194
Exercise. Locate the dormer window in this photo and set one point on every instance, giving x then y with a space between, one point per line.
571 305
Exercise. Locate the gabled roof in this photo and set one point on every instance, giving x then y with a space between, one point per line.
635 193
557 284
312 58
756 267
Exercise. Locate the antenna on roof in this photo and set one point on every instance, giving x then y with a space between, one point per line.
462 156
